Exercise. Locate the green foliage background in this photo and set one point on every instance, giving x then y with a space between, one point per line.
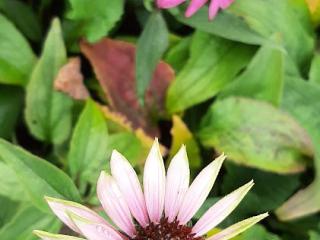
246 84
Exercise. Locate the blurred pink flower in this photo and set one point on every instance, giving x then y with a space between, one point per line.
161 211
195 5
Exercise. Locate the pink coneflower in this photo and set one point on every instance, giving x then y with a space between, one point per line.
161 211
195 5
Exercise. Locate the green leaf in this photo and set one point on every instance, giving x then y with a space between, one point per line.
290 20
256 134
214 62
225 25
8 179
301 99
11 99
23 17
257 232
88 146
254 22
314 74
97 17
314 235
16 56
151 45
48 112
262 197
127 144
26 220
38 177
263 79
178 55
8 210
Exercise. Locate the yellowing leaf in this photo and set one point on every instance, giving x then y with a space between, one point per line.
314 7
182 135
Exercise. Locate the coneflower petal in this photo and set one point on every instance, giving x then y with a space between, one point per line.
49 236
95 230
199 190
194 6
177 183
218 212
61 208
130 187
225 3
238 228
213 8
114 204
154 182
168 3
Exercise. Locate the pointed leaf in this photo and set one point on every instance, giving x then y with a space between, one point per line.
48 112
97 17
213 63
150 48
16 56
268 86
88 147
26 220
256 134
38 177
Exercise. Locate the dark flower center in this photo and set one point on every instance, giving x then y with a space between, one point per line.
165 231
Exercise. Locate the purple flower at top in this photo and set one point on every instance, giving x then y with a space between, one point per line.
195 5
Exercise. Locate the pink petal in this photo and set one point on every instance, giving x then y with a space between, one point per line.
50 236
177 183
213 8
168 3
154 183
199 190
218 212
129 186
194 6
237 228
114 204
95 230
61 208
225 3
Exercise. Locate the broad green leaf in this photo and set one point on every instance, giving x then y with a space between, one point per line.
261 16
213 63
16 56
150 47
182 135
225 25
11 99
48 112
88 146
26 220
314 235
301 99
263 79
97 17
262 197
38 177
22 15
314 73
256 134
257 232
8 178
254 22
8 209
178 55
